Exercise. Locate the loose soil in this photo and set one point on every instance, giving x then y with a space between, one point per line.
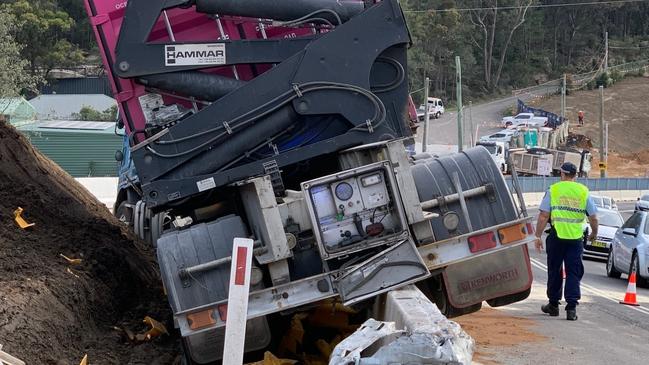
626 112
52 312
492 330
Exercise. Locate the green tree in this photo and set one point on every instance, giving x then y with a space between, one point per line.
91 114
42 26
14 77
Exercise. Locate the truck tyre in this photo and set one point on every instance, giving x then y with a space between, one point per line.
437 115
124 213
509 299
435 290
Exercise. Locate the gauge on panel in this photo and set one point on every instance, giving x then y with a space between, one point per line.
344 191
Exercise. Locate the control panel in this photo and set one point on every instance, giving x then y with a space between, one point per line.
353 210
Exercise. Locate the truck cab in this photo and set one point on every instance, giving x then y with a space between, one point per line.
499 151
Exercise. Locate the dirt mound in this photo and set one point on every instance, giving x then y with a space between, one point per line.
579 141
624 110
50 311
639 156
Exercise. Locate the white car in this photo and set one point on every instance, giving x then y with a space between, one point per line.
605 202
642 203
524 119
609 222
504 135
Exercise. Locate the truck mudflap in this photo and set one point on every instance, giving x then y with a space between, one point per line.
499 274
391 268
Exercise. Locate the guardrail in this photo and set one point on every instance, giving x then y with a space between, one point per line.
541 184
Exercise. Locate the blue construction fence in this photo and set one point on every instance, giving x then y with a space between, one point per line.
554 120
540 184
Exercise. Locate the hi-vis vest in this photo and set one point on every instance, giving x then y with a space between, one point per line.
568 203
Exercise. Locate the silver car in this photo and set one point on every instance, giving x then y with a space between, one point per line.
609 222
630 249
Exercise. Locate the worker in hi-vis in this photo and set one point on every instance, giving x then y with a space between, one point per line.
566 206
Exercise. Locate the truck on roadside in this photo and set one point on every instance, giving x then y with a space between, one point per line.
435 109
524 120
547 162
285 123
499 151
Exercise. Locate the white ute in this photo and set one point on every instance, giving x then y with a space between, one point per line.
524 119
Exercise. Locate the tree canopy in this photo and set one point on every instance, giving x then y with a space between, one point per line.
506 44
13 78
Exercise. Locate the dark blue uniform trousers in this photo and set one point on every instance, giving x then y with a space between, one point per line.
570 252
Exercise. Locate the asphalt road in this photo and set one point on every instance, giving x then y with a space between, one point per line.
485 117
606 333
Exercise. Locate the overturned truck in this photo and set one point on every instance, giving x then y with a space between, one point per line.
286 122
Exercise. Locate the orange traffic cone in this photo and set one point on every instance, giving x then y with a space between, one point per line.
629 297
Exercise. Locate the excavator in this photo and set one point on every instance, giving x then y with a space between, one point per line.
289 122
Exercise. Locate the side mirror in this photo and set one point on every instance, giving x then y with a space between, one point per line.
119 156
630 231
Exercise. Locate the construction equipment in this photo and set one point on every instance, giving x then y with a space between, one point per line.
22 223
285 122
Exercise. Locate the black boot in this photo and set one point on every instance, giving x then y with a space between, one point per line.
571 314
550 309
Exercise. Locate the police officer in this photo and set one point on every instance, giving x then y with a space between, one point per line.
566 206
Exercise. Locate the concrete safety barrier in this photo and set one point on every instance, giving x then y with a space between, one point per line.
534 199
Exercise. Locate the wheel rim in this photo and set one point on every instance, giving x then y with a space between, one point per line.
609 263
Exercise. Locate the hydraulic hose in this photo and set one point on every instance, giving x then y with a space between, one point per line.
201 85
281 9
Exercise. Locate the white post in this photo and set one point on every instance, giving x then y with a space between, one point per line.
237 314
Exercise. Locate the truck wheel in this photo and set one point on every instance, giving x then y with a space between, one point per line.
509 299
508 124
437 115
124 213
435 290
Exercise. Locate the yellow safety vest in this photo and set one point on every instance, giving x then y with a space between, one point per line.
568 209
